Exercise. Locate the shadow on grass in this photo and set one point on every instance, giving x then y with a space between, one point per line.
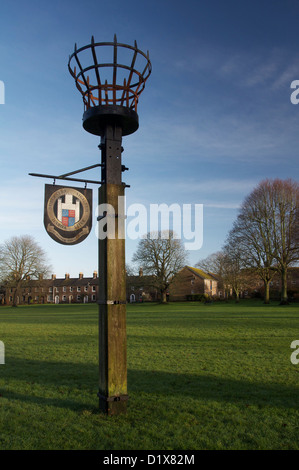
61 379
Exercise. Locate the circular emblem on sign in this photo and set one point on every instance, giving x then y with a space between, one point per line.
68 209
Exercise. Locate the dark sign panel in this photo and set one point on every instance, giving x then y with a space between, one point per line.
68 213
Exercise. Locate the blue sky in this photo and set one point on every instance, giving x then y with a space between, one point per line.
215 117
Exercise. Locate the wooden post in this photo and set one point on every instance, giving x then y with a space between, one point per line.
115 115
112 280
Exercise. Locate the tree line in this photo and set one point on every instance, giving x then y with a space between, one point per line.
264 239
21 258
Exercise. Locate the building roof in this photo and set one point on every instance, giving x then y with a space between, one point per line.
201 273
57 282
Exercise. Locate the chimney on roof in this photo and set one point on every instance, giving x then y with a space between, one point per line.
80 275
40 277
53 277
27 277
95 274
140 272
67 276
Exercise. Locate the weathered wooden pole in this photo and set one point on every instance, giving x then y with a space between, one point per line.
111 112
112 280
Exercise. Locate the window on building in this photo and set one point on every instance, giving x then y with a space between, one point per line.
64 289
71 289
50 289
93 288
78 289
78 298
93 298
85 288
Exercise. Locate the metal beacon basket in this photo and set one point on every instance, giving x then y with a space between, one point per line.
111 86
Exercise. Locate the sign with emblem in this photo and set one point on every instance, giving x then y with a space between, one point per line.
68 213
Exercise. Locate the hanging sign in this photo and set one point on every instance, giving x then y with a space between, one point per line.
67 213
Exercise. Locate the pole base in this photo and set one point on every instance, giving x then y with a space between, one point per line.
113 406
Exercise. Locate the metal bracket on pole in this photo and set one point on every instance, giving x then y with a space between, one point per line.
113 398
65 176
54 177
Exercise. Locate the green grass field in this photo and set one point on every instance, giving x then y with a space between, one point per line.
215 376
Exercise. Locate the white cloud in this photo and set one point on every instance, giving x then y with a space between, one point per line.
212 186
223 205
290 73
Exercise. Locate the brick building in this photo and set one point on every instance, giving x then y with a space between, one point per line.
256 286
55 290
141 288
189 281
192 281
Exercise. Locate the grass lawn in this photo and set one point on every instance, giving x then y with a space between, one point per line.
215 376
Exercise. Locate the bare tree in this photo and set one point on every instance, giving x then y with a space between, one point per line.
266 231
20 258
284 197
251 234
264 238
161 255
232 270
214 264
130 270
